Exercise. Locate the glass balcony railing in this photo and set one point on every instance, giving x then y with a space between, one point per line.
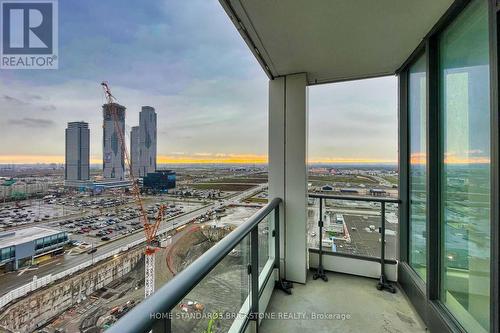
365 228
219 291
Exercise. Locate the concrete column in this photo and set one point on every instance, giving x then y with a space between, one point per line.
288 169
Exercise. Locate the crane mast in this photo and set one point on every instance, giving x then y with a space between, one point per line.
150 229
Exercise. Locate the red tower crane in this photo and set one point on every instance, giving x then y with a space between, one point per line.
150 229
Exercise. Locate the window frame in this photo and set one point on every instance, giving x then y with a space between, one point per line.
425 297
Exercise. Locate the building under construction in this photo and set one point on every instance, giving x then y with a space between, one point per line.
113 153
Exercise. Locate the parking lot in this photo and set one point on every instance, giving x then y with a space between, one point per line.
117 221
91 220
32 211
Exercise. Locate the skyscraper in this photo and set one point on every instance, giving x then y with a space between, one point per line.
113 153
77 151
147 141
134 150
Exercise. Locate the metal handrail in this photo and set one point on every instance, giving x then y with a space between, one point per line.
142 317
354 198
383 283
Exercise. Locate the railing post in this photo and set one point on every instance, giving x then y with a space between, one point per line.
382 238
276 235
254 276
163 325
383 283
320 272
280 283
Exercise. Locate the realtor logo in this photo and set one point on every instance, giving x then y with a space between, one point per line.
29 34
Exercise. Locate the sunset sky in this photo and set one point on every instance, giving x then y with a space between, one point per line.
186 59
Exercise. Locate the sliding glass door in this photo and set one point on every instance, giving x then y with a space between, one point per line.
465 167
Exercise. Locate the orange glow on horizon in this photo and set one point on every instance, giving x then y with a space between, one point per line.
30 159
200 158
40 159
350 160
212 159
466 160
418 158
208 158
421 159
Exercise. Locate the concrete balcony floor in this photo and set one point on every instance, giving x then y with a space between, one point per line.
369 309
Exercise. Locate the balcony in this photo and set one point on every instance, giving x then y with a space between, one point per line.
443 251
346 303
229 286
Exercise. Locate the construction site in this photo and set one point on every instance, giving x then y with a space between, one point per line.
124 244
92 296
93 299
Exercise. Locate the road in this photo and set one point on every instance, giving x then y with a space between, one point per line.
13 280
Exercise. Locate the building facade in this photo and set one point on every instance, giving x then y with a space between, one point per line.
134 150
29 246
159 181
113 152
147 141
77 155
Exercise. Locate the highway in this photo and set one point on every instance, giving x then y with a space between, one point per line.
13 280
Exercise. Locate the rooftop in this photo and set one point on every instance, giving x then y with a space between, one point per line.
20 236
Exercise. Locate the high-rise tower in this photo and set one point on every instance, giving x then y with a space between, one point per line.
147 141
134 150
77 151
113 153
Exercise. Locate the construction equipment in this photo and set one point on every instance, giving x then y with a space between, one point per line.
150 229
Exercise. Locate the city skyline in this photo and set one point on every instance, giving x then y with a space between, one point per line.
216 106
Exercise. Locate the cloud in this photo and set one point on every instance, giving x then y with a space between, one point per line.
13 100
354 120
32 122
186 59
48 108
22 99
23 102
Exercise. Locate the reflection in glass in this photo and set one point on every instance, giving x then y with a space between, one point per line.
221 299
465 178
417 171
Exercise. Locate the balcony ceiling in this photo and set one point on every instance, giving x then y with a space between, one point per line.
334 40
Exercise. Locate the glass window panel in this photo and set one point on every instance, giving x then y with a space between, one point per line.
465 178
418 162
266 247
7 253
221 300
